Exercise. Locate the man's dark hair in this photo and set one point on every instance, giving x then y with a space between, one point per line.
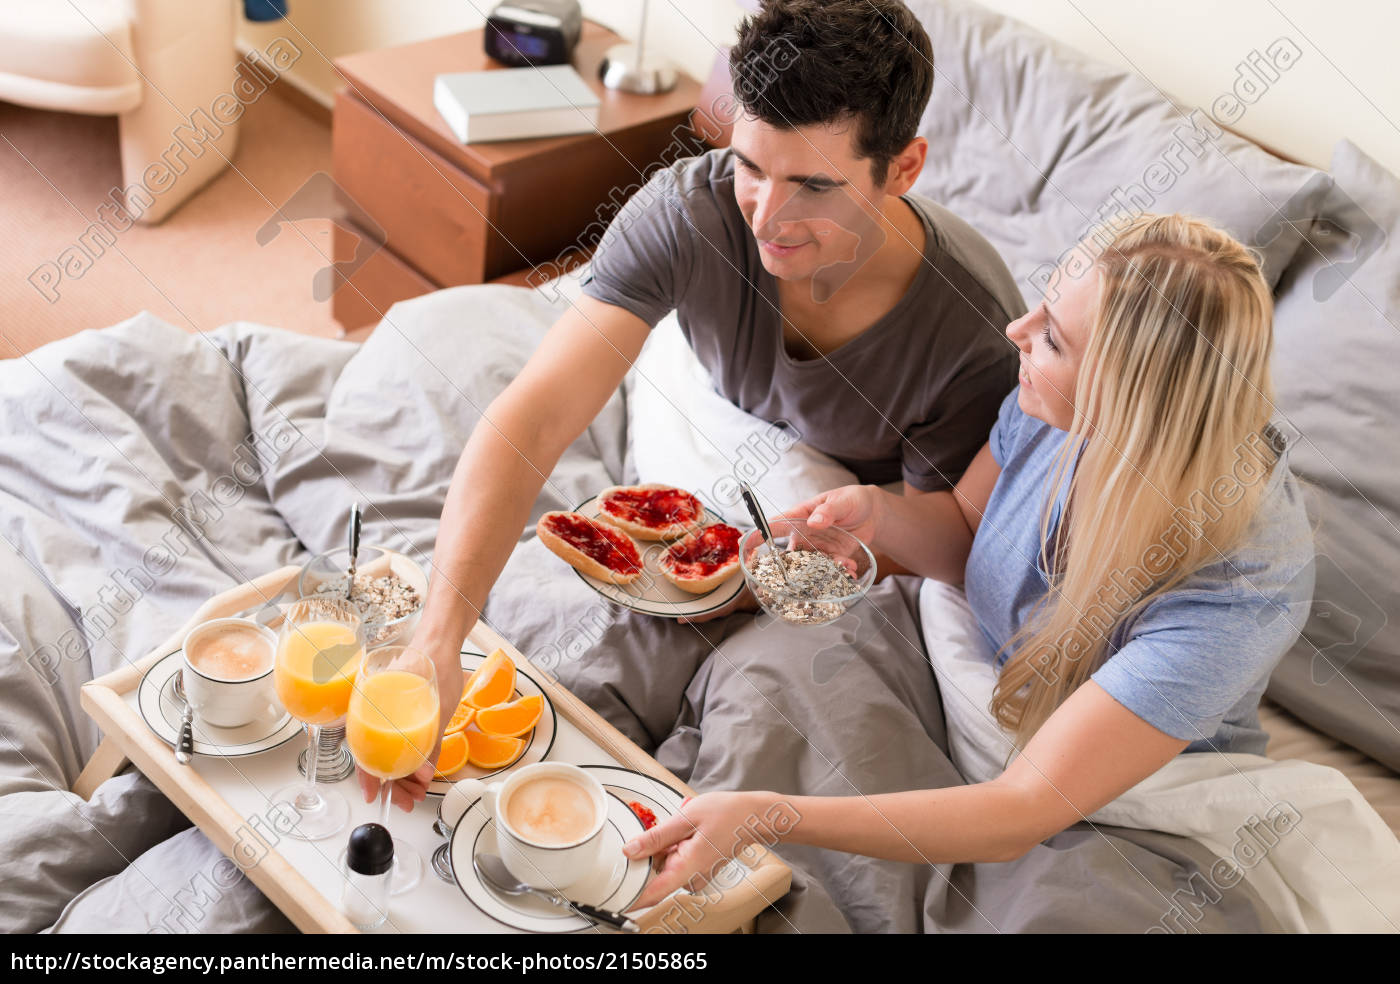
803 62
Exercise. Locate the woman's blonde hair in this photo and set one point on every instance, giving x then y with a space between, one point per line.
1167 449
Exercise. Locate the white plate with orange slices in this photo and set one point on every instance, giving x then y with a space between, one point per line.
504 721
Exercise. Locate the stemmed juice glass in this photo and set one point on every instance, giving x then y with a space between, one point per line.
392 728
319 649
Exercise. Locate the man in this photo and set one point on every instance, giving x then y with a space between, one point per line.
805 279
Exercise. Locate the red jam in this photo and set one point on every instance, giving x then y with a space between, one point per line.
702 553
648 817
608 546
654 508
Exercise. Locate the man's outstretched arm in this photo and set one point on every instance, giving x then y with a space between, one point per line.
510 454
505 463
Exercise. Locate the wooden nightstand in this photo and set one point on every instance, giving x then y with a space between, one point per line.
464 214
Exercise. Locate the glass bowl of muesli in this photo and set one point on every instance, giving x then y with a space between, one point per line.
827 571
389 590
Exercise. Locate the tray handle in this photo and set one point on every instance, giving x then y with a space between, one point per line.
767 881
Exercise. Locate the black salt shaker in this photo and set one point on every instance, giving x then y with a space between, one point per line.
369 864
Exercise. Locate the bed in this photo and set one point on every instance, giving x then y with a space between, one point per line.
146 469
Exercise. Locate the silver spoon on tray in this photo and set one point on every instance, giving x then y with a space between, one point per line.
493 871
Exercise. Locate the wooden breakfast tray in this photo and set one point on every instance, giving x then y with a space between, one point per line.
225 799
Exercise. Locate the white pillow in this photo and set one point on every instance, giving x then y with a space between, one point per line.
963 664
686 434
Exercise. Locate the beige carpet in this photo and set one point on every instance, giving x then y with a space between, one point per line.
199 269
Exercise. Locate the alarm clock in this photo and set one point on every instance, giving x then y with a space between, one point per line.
534 32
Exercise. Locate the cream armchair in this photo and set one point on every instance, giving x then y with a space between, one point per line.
151 63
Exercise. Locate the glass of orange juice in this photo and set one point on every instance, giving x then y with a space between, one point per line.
393 726
318 651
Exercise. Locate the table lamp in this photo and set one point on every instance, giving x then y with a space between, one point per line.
625 67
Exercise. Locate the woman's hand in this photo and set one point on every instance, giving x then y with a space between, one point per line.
855 508
708 831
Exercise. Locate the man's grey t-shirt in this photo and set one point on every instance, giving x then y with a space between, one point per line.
912 397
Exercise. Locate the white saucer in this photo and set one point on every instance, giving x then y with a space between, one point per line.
651 593
615 885
537 743
161 709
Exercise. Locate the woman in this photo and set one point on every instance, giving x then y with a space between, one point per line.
1135 463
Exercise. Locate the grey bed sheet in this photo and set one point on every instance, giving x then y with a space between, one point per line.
145 469
854 708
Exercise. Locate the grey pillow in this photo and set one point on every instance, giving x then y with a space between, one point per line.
57 845
181 885
1337 338
398 414
1030 141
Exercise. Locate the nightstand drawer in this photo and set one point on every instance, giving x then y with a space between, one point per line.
434 216
365 293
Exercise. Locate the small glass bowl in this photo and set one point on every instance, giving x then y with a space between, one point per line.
795 534
376 561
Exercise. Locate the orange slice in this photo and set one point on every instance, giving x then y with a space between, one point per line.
490 752
461 717
453 756
513 719
491 682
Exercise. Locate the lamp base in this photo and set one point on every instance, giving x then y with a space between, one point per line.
622 69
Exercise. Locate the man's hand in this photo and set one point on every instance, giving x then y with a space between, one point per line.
447 658
512 448
708 831
404 792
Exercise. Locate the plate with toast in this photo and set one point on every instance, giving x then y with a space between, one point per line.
653 548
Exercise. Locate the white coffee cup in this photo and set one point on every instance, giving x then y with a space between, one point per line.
543 865
223 701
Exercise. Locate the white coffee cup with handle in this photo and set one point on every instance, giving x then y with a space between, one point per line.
549 821
227 671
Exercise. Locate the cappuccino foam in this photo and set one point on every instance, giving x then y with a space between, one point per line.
551 811
231 652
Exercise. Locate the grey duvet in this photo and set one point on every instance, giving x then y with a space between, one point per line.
144 469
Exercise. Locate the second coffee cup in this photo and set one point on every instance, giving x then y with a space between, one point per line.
549 821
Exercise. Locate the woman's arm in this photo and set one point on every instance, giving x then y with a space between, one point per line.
884 565
929 535
1090 751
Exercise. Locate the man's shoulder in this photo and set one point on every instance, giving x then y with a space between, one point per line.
702 184
690 200
709 173
964 251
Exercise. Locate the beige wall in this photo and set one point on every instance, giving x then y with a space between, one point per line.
1188 48
685 31
1345 84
